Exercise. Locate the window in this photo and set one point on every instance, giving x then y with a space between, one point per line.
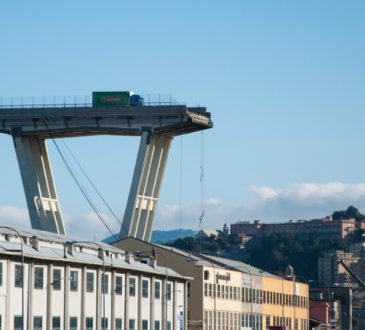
157 325
118 324
168 325
1 274
18 276
145 288
206 275
89 282
56 279
157 290
144 324
38 277
132 286
74 280
132 324
104 323
267 322
18 323
206 289
73 323
37 322
0 323
89 323
169 291
118 285
105 284
295 324
56 323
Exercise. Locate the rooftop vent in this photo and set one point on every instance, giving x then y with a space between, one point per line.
34 242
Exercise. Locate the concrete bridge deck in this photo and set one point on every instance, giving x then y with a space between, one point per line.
82 121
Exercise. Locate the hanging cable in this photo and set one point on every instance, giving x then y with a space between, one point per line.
181 183
202 182
90 182
80 186
202 191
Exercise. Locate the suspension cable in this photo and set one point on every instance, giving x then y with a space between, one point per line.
90 182
79 185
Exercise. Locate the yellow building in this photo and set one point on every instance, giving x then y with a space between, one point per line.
230 295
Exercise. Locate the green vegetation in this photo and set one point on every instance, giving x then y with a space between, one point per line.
351 212
278 250
211 245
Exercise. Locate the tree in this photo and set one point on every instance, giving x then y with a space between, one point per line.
350 212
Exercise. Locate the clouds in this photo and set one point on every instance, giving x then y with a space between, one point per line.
86 226
296 201
14 216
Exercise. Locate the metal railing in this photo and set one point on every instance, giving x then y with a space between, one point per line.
74 101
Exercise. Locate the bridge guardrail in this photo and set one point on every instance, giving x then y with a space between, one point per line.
73 101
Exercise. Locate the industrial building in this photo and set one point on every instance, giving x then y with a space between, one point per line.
50 281
230 295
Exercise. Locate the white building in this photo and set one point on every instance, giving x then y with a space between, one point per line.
51 282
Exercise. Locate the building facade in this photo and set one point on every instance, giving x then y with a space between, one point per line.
330 271
230 295
51 282
324 228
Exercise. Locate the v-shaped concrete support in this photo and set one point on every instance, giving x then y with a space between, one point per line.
146 183
39 188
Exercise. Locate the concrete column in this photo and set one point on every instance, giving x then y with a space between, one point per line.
30 291
164 305
174 306
40 192
152 303
146 183
83 297
139 318
66 312
9 290
99 299
126 303
49 296
112 293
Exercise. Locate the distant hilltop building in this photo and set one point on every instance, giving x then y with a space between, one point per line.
325 228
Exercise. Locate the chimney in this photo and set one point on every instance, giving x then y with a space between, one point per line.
34 242
128 257
152 262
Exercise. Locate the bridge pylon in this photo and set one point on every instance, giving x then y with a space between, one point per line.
30 127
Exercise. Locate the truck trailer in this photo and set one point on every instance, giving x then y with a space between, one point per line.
117 99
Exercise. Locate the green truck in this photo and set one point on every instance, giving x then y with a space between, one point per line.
117 99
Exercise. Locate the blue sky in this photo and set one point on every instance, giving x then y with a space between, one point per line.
284 81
